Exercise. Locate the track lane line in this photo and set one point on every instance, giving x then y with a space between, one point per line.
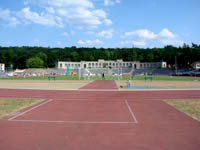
131 111
75 122
20 114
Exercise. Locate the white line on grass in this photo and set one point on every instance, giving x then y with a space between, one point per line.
131 111
20 114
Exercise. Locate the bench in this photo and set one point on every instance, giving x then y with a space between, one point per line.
148 78
51 77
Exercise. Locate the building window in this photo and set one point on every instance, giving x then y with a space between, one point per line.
60 65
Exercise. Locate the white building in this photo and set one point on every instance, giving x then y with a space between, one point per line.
101 63
196 65
2 67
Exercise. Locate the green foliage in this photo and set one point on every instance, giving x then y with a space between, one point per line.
42 56
18 56
35 62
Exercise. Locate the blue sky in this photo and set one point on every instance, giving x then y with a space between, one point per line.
99 23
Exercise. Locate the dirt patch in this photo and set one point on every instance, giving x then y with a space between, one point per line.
44 84
191 107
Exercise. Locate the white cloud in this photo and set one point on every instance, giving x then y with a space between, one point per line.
107 21
5 14
110 2
81 17
106 34
68 3
78 13
143 33
65 34
90 32
42 18
147 34
90 42
50 10
9 42
133 43
117 1
13 21
81 42
58 43
166 34
172 42
26 2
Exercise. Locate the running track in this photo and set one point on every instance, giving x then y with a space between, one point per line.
99 120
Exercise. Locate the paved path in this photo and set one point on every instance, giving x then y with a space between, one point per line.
104 120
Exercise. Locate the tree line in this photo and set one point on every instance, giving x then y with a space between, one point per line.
28 57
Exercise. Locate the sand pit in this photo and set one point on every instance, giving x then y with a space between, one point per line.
161 84
76 84
44 84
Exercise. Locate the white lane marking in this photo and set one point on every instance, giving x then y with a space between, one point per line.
20 114
131 111
75 122
98 90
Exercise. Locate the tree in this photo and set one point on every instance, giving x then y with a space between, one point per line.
19 56
35 62
43 57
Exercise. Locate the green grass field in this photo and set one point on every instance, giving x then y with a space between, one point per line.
9 106
169 78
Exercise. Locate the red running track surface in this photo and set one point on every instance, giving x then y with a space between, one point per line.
100 120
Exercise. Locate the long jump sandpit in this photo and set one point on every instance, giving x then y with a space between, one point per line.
44 84
160 85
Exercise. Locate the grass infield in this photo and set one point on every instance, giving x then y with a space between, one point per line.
168 78
189 106
9 106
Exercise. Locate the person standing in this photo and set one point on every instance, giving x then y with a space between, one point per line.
103 76
88 75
